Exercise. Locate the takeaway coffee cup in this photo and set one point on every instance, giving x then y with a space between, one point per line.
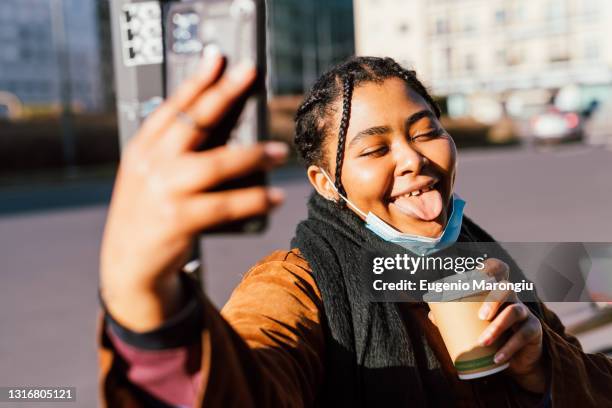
455 310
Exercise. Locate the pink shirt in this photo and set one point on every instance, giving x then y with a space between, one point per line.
171 375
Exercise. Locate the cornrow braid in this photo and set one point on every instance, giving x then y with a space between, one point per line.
347 92
312 100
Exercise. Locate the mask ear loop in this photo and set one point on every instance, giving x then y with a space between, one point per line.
348 202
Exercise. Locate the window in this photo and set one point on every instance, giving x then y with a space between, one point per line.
10 52
555 10
441 26
519 12
500 57
25 54
514 57
403 28
558 51
558 56
501 16
469 25
470 62
591 49
591 9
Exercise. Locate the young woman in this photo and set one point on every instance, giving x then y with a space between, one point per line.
298 331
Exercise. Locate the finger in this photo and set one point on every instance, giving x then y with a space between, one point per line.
514 313
432 318
496 268
528 331
209 109
206 75
211 209
204 170
493 302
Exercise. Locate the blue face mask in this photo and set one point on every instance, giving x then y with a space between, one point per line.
415 243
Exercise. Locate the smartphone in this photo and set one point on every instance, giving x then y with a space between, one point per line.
193 29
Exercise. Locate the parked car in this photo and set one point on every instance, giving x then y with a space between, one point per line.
553 126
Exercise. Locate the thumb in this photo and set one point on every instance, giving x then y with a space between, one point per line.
432 318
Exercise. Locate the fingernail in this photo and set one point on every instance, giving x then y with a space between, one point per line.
277 151
243 69
499 357
276 195
484 312
210 55
483 339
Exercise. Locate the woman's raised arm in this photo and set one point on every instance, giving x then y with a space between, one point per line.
161 197
266 348
270 346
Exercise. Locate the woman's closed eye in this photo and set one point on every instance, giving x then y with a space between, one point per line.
427 134
374 151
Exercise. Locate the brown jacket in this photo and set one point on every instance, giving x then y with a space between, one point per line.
266 349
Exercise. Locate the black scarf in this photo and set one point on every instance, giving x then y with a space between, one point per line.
371 358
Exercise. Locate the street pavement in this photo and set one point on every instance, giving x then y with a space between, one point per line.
50 235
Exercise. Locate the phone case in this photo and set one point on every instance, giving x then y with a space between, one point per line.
236 28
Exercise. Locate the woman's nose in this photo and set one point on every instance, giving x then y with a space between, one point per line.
408 159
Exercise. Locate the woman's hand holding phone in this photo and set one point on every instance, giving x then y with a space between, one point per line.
161 198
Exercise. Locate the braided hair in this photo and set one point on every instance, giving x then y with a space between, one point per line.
313 117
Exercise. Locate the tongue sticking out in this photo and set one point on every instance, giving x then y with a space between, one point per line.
426 206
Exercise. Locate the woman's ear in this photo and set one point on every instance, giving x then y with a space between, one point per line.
321 183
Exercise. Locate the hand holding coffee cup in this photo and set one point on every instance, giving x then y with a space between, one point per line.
506 326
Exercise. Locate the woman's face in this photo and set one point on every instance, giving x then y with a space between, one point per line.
399 163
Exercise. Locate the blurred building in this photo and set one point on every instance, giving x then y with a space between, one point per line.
44 55
306 38
463 47
393 28
105 68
